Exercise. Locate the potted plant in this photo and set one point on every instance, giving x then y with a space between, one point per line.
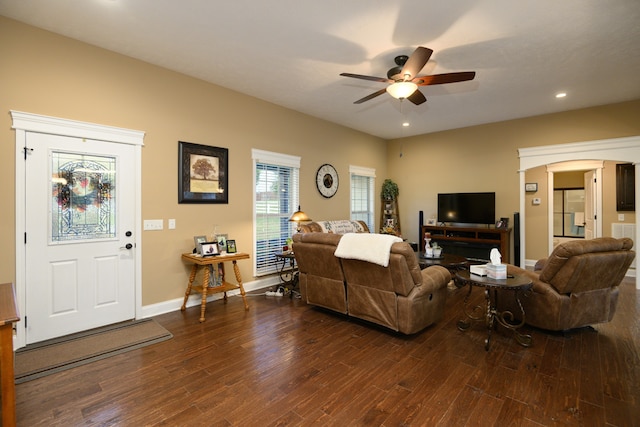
437 250
389 190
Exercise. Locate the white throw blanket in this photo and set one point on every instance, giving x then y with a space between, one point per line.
369 247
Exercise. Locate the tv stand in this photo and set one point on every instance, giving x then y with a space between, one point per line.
473 243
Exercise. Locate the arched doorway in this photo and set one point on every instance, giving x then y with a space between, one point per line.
616 149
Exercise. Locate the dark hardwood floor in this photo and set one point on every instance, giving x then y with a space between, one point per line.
286 363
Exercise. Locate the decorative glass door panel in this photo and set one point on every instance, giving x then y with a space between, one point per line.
83 205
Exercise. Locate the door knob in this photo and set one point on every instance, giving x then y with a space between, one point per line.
127 246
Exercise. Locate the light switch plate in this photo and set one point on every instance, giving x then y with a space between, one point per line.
153 224
536 201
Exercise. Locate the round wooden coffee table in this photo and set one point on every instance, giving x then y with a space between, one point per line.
449 261
491 315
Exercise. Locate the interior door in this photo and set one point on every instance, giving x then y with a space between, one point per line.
80 213
590 201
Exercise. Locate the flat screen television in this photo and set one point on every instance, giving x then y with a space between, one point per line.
467 208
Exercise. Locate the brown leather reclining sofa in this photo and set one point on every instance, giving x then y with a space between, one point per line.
400 296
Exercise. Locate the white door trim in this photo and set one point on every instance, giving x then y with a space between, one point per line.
28 122
577 165
625 149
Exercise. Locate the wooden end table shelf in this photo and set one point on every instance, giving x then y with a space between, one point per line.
204 289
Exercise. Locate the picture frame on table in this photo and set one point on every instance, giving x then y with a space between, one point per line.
203 175
209 249
222 241
197 240
231 246
502 223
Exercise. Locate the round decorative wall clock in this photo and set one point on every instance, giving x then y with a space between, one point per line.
327 180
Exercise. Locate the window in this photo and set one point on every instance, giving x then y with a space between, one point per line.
276 197
362 187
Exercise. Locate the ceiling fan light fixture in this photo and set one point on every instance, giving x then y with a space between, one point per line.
402 90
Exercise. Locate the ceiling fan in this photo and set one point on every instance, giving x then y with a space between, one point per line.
404 77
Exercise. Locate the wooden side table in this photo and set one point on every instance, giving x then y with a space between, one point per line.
8 315
204 288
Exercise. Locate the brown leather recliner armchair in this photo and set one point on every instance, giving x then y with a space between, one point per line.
577 285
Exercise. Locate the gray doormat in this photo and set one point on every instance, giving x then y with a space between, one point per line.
48 357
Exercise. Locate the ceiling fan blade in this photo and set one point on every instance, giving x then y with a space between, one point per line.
416 62
372 78
438 79
417 97
373 95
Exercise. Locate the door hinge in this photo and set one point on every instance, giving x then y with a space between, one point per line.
27 150
25 237
25 322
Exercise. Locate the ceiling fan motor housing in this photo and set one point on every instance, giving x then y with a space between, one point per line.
395 72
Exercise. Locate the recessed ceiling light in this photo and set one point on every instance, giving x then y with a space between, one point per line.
561 94
405 124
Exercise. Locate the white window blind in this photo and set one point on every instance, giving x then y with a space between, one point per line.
276 197
362 194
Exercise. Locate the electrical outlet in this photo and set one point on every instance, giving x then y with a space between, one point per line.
535 201
172 224
621 217
153 224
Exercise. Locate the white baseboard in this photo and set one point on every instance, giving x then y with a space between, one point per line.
195 299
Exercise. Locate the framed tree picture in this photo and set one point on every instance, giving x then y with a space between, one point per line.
203 175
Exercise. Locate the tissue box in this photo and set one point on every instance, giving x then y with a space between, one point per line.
478 270
498 271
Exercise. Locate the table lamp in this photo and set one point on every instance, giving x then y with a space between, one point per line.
298 217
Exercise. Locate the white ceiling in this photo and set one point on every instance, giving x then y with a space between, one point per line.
291 52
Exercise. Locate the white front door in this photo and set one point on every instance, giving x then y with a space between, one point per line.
80 234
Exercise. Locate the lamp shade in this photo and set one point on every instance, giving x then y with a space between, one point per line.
299 216
401 90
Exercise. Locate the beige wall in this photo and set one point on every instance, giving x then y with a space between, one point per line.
47 74
485 158
572 179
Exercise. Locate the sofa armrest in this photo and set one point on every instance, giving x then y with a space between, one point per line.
539 286
434 278
540 264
